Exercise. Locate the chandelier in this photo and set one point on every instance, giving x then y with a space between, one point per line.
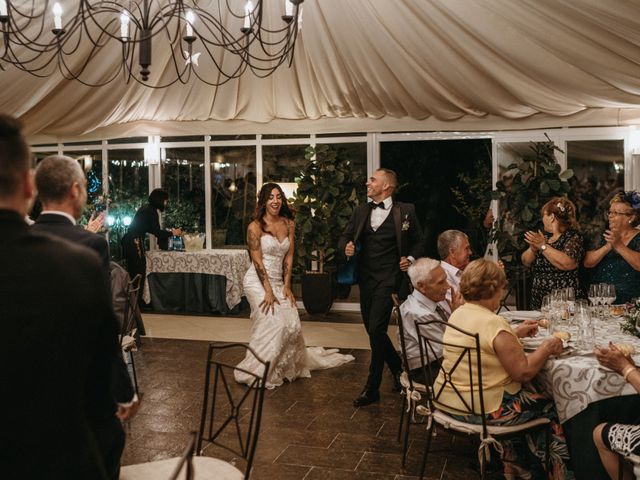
95 42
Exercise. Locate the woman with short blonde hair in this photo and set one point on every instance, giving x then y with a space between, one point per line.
505 370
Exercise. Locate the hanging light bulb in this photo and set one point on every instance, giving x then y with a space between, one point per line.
233 187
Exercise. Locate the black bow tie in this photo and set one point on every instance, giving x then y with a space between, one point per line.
377 205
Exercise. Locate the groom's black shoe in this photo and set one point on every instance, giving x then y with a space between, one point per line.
397 385
367 397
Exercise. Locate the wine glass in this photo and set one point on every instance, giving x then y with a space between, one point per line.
586 334
570 298
594 296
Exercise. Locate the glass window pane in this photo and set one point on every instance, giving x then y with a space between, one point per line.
233 193
186 138
428 171
183 179
232 137
598 167
128 190
91 163
282 163
116 141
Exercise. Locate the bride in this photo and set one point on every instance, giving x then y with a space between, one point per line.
276 334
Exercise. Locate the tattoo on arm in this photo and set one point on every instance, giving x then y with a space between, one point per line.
253 240
262 274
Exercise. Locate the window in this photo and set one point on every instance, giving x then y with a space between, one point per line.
128 190
183 179
598 167
233 193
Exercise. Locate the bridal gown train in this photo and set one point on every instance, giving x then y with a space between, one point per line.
277 337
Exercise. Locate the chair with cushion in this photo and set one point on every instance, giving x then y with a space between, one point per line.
489 435
411 390
170 469
230 421
128 331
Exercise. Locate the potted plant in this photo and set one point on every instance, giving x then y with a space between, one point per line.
328 191
524 188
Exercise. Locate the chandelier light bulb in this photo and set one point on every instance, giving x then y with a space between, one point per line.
57 16
191 18
288 8
3 8
248 8
124 25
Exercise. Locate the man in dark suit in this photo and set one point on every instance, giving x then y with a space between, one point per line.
58 346
61 186
390 239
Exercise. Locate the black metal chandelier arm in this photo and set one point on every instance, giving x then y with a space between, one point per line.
187 27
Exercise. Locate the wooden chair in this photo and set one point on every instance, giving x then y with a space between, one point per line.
231 417
488 434
412 391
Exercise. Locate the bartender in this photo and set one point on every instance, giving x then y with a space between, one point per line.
146 220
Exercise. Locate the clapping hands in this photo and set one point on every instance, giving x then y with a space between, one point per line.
535 239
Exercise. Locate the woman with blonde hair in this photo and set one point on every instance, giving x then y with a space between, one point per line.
617 256
555 254
506 370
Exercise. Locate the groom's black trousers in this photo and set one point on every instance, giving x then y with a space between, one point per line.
376 306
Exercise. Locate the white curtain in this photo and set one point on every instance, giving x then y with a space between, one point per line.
382 65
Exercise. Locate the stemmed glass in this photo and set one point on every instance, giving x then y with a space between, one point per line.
586 334
570 298
594 295
609 295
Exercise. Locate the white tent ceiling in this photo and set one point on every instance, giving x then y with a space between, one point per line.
382 65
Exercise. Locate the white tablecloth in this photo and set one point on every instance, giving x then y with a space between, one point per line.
231 263
575 380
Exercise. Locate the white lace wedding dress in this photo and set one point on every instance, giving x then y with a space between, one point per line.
277 337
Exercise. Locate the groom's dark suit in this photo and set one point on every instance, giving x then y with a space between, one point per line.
380 275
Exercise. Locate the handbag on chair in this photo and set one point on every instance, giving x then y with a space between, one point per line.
348 273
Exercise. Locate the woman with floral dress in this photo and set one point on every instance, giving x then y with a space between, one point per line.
554 256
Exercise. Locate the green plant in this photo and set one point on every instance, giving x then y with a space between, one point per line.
524 188
184 215
329 189
631 319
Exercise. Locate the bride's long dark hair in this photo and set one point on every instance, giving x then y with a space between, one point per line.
261 205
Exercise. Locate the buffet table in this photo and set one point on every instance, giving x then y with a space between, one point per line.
586 394
201 281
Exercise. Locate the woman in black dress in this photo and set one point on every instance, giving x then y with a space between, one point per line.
554 256
146 220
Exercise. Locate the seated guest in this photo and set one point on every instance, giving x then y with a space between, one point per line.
60 337
427 302
615 439
554 255
617 256
506 369
455 253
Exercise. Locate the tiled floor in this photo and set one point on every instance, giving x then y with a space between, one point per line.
309 431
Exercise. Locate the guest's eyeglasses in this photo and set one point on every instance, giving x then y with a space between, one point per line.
613 213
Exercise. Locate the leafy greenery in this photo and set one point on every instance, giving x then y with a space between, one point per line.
524 188
181 214
329 189
631 319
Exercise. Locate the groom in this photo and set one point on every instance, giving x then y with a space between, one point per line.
390 239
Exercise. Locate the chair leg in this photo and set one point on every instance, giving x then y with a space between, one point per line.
405 440
133 368
404 405
426 452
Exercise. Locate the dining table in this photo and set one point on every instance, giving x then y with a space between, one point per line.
584 392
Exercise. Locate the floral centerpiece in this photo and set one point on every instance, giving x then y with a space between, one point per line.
631 318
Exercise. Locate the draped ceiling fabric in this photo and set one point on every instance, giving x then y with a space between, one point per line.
380 65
